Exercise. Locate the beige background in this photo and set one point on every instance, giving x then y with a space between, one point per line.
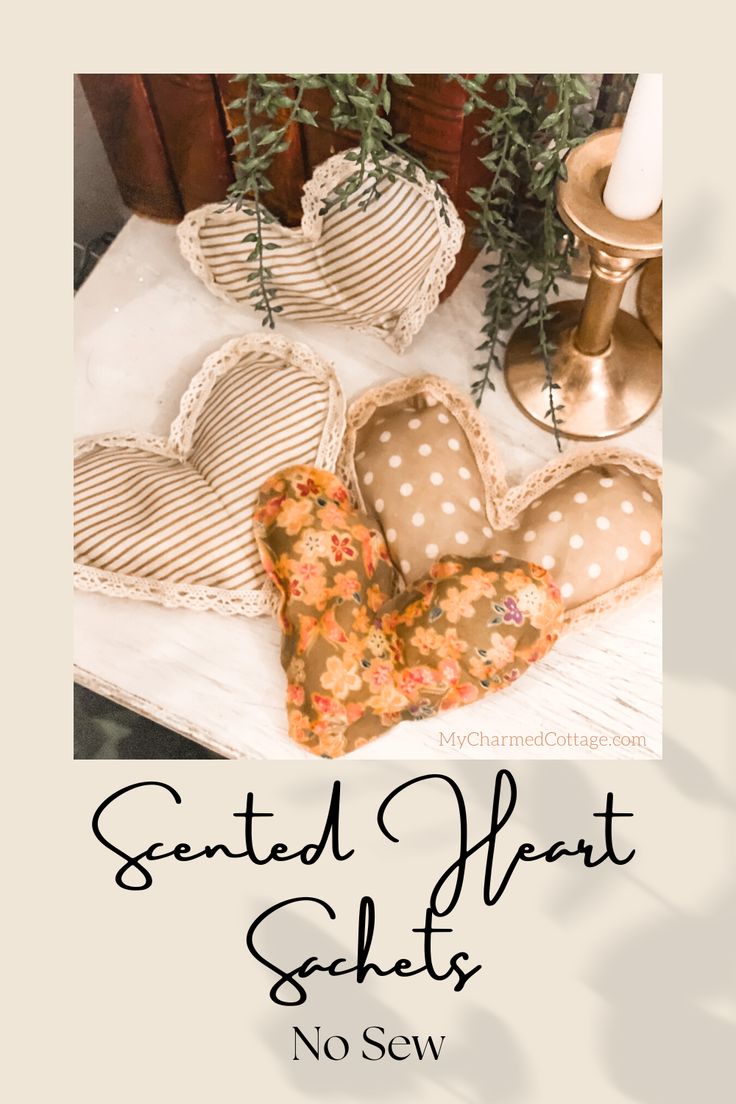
605 986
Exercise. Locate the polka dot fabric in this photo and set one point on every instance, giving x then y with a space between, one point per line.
419 458
420 479
593 531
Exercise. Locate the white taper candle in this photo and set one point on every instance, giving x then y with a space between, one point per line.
634 186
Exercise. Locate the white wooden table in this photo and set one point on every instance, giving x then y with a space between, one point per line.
144 325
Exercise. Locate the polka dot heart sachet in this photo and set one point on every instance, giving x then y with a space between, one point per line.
420 458
595 530
418 473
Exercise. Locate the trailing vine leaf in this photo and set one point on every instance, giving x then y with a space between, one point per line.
255 147
361 104
516 216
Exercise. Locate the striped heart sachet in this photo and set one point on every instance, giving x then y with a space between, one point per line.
170 520
378 268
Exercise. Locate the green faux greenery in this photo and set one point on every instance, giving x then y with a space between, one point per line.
516 219
516 214
361 103
255 147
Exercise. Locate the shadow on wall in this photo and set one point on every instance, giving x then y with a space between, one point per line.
98 208
460 1077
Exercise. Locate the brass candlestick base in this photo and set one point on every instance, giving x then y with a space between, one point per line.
603 395
608 365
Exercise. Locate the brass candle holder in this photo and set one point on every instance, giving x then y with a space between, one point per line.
607 363
649 297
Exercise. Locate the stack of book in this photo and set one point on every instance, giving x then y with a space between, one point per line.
167 137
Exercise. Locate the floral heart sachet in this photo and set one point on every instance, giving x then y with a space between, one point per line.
357 660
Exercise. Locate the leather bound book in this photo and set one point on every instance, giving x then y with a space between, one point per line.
166 136
322 141
193 131
126 119
288 170
430 111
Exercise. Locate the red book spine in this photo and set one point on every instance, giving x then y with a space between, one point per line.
166 136
431 112
288 170
193 132
322 141
126 119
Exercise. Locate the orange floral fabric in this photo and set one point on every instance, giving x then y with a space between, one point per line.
358 660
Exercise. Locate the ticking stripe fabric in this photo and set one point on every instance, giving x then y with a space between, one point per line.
379 268
171 521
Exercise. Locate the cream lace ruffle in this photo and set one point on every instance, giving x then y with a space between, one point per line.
325 178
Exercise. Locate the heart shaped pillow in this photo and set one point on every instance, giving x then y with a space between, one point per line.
170 520
380 269
421 459
358 661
